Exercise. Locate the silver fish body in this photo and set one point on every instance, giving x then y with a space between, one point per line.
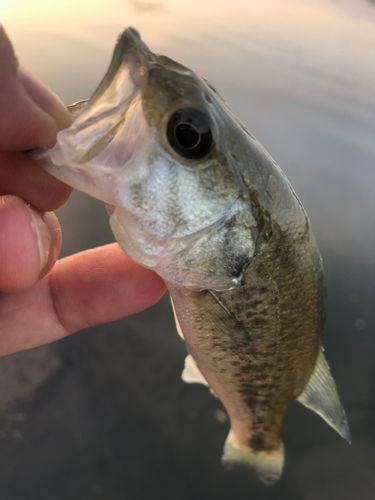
199 200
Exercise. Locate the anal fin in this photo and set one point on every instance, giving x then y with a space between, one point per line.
320 395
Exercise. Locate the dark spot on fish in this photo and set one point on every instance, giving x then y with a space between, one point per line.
262 216
210 85
257 442
235 265
269 195
263 289
255 303
260 269
236 158
250 401
207 97
258 419
259 367
241 333
259 322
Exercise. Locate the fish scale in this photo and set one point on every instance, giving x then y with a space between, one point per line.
250 390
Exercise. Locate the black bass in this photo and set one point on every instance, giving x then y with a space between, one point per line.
196 198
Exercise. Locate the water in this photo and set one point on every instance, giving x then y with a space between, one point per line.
103 414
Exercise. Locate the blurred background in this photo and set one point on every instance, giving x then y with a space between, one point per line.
104 414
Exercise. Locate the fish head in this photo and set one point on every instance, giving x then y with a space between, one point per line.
155 141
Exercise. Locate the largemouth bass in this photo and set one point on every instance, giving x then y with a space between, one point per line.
195 197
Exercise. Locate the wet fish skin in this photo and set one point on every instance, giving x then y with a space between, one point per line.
226 232
257 345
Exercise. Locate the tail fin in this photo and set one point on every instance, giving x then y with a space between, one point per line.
268 465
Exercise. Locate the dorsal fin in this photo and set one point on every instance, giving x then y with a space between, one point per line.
320 395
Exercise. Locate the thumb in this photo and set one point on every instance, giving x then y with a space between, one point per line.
31 115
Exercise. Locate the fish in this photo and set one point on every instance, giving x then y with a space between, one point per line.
195 197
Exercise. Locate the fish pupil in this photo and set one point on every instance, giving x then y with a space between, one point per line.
187 136
189 133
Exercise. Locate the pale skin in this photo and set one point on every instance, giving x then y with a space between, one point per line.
43 299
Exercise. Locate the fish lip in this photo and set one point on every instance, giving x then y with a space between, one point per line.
120 87
97 120
130 49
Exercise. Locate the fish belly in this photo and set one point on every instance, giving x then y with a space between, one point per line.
257 346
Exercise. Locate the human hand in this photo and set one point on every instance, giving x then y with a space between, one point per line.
42 300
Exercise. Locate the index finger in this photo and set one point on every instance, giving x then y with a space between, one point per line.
30 115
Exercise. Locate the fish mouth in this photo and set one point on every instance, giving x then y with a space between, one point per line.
117 101
98 122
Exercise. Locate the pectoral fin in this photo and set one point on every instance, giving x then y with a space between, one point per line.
320 395
191 373
178 327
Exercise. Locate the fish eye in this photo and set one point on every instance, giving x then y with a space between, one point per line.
189 133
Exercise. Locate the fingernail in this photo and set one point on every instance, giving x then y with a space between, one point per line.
43 236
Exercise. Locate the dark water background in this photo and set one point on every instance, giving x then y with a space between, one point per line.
103 414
